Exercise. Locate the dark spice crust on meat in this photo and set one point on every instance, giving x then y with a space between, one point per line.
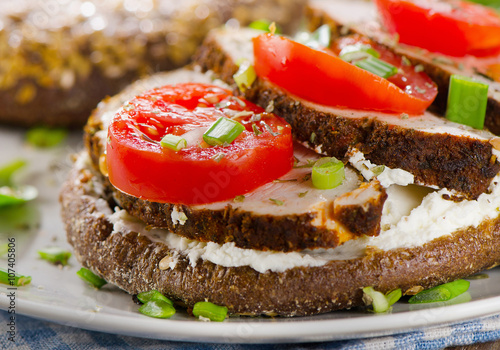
365 218
246 230
439 73
443 160
130 261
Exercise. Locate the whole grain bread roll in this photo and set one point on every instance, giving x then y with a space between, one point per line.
437 240
58 59
136 261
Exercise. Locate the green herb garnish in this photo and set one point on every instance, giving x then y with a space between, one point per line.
377 67
245 76
157 309
173 142
13 279
43 137
91 278
10 196
224 130
153 295
277 201
467 100
320 38
442 292
209 310
8 170
352 53
327 173
55 255
264 25
379 301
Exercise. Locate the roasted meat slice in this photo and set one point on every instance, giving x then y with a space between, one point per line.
288 214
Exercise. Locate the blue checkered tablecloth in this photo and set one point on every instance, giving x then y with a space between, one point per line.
36 334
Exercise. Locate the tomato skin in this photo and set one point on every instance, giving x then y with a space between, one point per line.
452 27
139 166
322 77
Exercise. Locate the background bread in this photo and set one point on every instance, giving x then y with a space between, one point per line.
59 59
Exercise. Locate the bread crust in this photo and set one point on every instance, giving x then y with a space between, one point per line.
131 261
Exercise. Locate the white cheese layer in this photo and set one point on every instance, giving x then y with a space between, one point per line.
406 223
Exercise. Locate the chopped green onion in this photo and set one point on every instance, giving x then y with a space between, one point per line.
320 38
173 142
157 308
19 217
443 292
303 194
43 137
394 296
264 26
377 67
153 295
357 52
377 299
55 255
17 195
467 101
91 278
211 311
328 173
13 279
8 170
245 76
224 130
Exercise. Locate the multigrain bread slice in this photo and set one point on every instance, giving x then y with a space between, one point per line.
359 16
288 214
437 152
126 253
57 61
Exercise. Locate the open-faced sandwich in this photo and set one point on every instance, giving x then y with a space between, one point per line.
282 177
60 58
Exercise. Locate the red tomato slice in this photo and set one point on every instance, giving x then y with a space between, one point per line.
417 84
322 77
450 27
138 165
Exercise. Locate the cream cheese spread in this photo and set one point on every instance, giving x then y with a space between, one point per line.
412 217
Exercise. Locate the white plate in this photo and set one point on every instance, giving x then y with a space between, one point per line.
58 295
